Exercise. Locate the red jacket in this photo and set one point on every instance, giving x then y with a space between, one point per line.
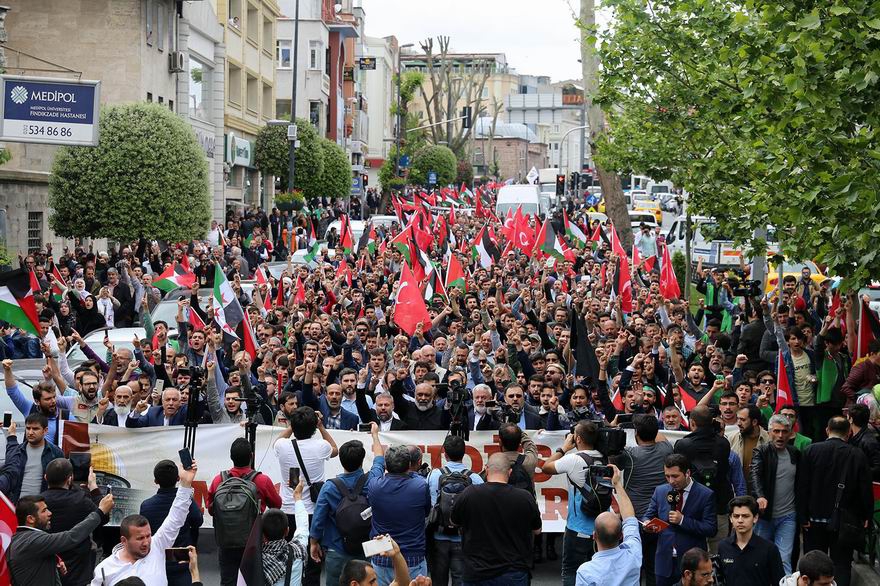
269 497
863 375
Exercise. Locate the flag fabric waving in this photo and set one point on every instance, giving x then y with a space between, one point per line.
622 278
523 234
346 240
485 249
227 310
8 524
784 397
668 283
869 330
17 304
57 291
433 287
455 274
249 338
550 244
574 232
173 278
409 309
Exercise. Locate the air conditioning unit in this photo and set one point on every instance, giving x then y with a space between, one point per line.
176 62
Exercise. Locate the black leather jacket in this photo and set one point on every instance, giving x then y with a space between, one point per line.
762 474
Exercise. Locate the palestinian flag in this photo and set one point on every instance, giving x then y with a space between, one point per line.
485 250
250 340
550 244
346 240
402 242
17 306
574 232
35 283
313 239
175 277
433 288
455 274
57 292
227 310
313 252
368 240
195 320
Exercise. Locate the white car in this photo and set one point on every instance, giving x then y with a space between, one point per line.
357 229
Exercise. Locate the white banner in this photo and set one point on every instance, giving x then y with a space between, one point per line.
124 458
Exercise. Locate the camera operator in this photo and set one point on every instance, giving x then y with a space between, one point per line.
515 409
586 498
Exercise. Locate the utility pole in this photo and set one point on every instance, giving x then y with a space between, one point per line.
400 117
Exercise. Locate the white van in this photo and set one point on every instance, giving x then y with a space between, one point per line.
357 228
529 197
717 252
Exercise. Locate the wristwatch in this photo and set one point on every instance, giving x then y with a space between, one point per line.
561 451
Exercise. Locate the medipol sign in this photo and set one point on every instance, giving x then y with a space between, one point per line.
49 111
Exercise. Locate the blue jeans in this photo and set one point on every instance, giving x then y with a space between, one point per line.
334 561
575 551
386 575
780 530
508 579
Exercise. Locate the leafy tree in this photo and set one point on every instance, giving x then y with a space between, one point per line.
336 175
439 159
272 156
464 173
765 111
148 177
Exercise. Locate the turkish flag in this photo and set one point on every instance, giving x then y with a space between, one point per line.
410 307
299 296
508 227
668 283
8 523
784 397
523 235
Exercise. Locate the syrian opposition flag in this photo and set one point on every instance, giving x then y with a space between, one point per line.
346 240
668 283
574 232
485 250
869 330
227 310
409 308
175 277
17 306
455 275
550 244
784 397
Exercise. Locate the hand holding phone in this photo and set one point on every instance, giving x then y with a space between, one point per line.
293 479
186 459
7 419
377 545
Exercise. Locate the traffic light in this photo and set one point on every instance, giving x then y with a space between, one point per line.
574 181
365 179
466 114
586 181
560 185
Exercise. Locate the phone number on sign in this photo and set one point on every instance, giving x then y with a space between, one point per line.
35 130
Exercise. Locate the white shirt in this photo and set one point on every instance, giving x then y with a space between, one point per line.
150 569
315 451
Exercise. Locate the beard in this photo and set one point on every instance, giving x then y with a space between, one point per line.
481 409
122 411
423 406
384 416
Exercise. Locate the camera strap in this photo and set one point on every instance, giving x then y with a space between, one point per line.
299 459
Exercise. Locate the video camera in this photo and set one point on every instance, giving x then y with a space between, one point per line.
745 288
610 440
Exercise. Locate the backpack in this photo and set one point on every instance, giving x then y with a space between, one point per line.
449 486
594 498
704 470
236 507
352 527
519 476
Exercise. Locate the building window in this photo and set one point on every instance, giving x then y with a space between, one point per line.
150 97
282 54
267 35
171 105
234 84
149 21
315 51
268 102
199 90
327 60
253 24
35 231
161 100
235 14
160 26
172 38
282 108
315 114
253 94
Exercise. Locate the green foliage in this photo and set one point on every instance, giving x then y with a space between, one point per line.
435 158
5 156
148 177
272 156
678 265
763 110
336 175
464 173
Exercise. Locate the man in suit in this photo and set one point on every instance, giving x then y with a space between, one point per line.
824 466
515 398
329 404
382 413
170 413
479 418
689 508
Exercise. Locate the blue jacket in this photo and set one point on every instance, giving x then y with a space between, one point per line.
348 420
26 406
698 524
10 474
155 417
323 527
156 508
50 452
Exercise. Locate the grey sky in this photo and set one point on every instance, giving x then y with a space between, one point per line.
538 36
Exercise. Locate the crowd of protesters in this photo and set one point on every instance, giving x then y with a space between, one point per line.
763 487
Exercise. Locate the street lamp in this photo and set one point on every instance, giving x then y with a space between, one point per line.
399 124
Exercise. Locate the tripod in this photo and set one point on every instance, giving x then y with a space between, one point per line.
193 413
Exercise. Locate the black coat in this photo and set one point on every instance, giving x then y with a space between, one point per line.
866 439
704 448
762 474
822 467
69 507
